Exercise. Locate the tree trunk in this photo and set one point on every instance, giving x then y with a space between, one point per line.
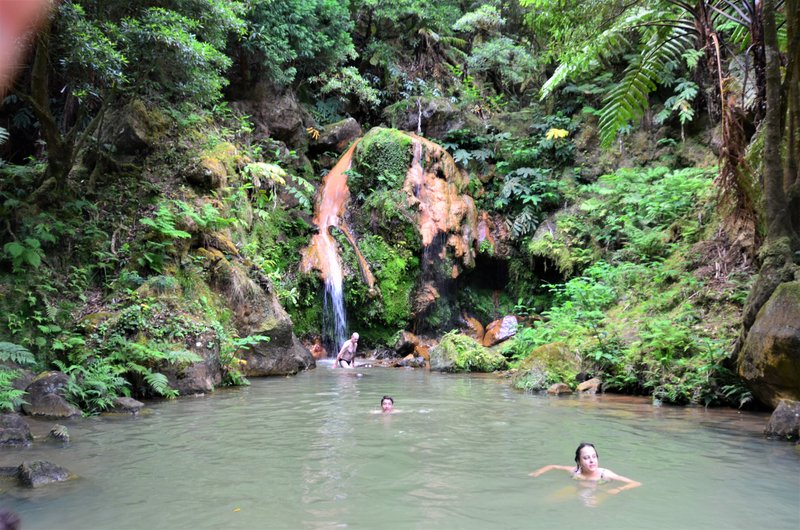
59 149
776 204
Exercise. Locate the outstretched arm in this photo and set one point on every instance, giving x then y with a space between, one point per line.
545 469
629 484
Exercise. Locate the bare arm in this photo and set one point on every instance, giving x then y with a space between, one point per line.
545 469
629 484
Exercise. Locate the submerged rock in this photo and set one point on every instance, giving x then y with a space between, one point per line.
14 431
39 473
127 405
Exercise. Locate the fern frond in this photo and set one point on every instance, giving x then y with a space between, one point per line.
629 99
160 384
526 222
611 42
16 354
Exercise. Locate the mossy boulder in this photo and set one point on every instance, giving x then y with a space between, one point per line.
135 128
381 161
769 361
460 353
547 364
257 311
212 169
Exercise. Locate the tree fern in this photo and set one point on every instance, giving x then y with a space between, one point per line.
10 352
609 43
629 99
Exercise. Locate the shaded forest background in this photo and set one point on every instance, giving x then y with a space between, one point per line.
636 162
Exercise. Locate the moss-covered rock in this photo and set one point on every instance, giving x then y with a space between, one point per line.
770 358
381 161
460 353
547 364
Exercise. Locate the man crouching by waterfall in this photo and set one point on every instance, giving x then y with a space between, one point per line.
348 353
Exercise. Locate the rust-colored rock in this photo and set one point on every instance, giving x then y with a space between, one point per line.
473 328
500 330
590 386
559 388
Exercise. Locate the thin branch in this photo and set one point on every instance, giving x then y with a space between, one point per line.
744 21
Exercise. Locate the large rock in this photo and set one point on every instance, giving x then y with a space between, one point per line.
545 363
198 377
785 421
257 311
276 113
500 330
434 117
14 431
39 473
46 397
337 136
769 361
133 129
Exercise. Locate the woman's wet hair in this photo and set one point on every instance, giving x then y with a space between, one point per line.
578 453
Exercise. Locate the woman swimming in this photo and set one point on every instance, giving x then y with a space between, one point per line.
587 470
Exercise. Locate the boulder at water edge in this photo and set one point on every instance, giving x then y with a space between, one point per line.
785 421
769 362
45 397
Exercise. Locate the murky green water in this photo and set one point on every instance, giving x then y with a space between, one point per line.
311 452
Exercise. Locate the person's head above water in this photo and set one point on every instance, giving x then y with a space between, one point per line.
387 404
585 454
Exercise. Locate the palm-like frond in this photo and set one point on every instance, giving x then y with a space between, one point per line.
629 99
611 42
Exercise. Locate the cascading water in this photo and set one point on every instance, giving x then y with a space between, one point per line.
322 255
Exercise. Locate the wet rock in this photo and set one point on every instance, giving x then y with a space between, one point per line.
59 433
472 328
14 431
39 473
500 330
590 386
127 405
337 136
406 343
198 377
769 361
45 397
785 421
410 361
559 388
257 311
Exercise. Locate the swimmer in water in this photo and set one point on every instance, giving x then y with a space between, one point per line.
387 404
587 471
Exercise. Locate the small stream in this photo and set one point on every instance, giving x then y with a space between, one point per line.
312 451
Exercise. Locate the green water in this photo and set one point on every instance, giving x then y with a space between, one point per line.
311 451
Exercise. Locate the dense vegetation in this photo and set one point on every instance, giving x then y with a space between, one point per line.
107 245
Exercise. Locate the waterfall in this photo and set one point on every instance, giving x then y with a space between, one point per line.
322 253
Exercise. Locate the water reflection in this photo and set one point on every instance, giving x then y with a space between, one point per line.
311 451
